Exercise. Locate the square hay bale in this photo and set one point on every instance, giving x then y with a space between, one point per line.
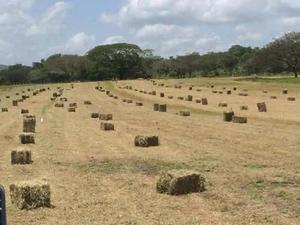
190 88
285 91
15 102
94 115
265 91
162 108
227 116
21 157
273 97
243 94
116 97
239 119
29 123
162 95
73 105
199 90
220 92
106 117
244 107
229 92
107 126
189 98
4 109
59 105
139 104
215 92
198 101
185 113
262 107
204 101
156 107
7 96
291 99
87 102
27 138
146 141
234 88
30 194
180 98
71 109
24 111
180 182
63 99
129 101
223 104
170 97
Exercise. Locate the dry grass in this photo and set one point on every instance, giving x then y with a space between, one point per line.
96 177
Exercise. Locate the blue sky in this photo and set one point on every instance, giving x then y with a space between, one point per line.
35 29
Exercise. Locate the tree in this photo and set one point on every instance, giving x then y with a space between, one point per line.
285 52
123 60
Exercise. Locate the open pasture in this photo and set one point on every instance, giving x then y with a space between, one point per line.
99 176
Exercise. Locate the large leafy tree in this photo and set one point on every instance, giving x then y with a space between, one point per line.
285 52
121 60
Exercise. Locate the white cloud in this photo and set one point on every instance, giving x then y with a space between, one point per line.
114 39
51 21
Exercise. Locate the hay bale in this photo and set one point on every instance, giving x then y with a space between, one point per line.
146 141
4 109
291 99
189 98
273 97
265 91
234 88
156 107
180 182
285 91
262 107
190 88
107 126
24 111
21 157
227 116
244 108
94 115
243 94
71 109
180 98
29 123
87 102
204 101
198 101
214 92
220 92
153 92
129 101
223 104
116 97
106 117
162 95
27 138
170 97
59 105
239 119
30 194
199 90
229 92
139 104
185 113
162 108
15 102
63 99
73 105
7 96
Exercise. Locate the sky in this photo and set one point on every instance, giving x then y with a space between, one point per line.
34 29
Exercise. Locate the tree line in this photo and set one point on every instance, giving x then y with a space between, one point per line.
128 61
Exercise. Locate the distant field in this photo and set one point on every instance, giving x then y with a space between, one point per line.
288 80
97 177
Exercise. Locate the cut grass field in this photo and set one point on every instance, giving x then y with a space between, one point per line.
96 177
